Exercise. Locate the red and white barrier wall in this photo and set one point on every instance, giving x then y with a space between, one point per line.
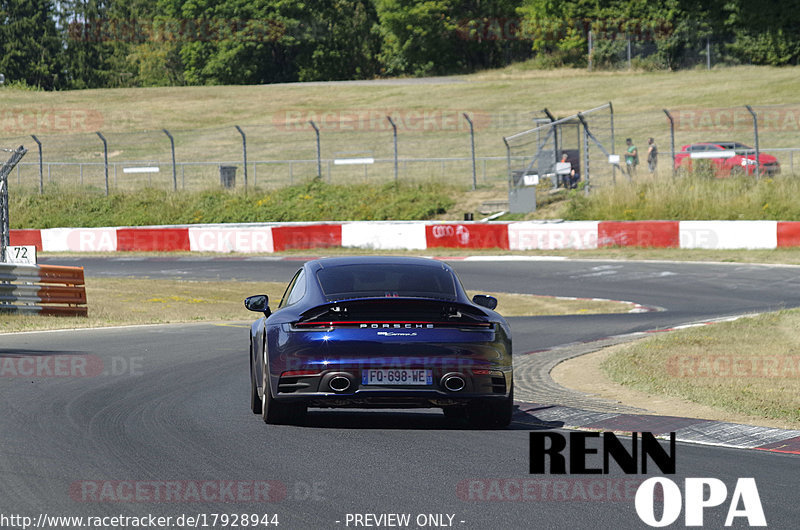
418 235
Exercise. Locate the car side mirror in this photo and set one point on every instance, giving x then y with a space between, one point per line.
483 300
258 303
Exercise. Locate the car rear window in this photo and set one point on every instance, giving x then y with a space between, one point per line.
356 281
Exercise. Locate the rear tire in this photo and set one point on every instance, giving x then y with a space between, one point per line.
255 399
277 413
455 413
492 414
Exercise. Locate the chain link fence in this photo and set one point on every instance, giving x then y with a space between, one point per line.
354 146
371 146
731 139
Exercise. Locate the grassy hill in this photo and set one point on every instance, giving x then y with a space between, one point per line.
351 116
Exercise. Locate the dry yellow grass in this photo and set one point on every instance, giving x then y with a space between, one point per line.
749 366
202 118
114 302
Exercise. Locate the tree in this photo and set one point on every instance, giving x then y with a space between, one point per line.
433 37
766 31
30 45
340 40
89 43
234 41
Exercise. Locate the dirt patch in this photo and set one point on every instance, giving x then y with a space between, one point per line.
471 201
585 375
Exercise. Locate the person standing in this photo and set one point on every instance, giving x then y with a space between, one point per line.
631 158
652 155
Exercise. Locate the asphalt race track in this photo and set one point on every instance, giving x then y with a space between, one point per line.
156 419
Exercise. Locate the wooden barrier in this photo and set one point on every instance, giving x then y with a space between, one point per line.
42 289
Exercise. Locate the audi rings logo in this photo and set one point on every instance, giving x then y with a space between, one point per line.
441 231
460 232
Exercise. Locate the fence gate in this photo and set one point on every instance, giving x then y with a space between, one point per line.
534 156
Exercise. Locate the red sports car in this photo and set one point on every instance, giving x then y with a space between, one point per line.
727 158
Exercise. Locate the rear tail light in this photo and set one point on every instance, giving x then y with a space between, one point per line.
385 324
485 371
295 373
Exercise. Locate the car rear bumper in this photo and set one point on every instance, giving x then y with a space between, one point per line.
345 388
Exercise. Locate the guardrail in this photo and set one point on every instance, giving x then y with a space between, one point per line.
42 289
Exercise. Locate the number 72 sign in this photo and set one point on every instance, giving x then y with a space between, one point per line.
22 254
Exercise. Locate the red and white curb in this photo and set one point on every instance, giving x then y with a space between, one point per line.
417 235
689 430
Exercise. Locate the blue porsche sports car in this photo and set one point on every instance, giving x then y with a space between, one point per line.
380 332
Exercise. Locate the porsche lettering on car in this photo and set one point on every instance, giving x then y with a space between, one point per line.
380 332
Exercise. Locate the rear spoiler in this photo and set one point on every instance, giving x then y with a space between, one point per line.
394 312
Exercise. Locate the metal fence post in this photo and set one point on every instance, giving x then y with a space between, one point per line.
394 133
671 138
472 148
41 168
508 164
5 225
590 50
555 131
585 152
174 169
105 157
628 38
244 154
613 143
585 156
755 134
319 153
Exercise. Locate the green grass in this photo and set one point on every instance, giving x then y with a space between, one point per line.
311 201
683 198
749 366
690 197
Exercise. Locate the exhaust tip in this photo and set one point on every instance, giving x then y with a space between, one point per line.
454 383
339 383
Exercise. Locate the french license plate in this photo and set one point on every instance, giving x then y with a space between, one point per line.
396 376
